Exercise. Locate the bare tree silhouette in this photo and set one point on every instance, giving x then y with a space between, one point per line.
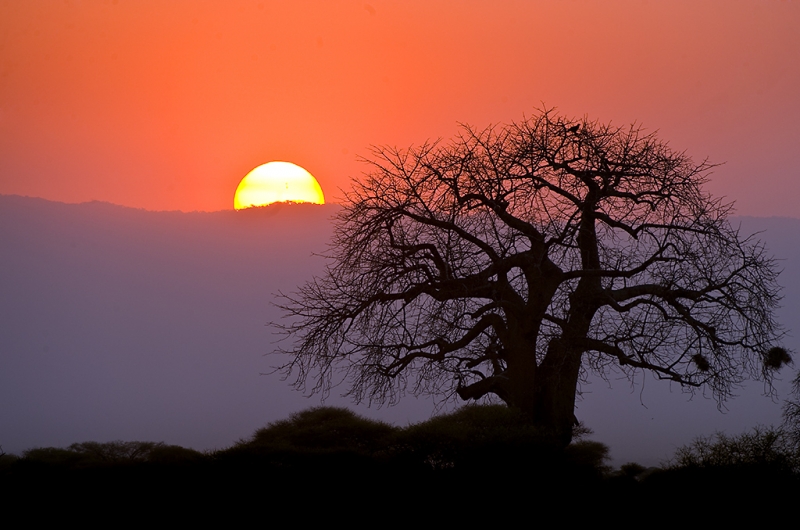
514 260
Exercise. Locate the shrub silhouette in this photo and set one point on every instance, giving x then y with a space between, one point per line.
116 452
631 470
318 440
7 460
105 454
174 454
759 467
53 456
588 455
763 447
493 439
467 437
323 429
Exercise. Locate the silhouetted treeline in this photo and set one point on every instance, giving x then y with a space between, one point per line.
324 457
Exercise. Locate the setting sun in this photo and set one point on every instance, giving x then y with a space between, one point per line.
277 182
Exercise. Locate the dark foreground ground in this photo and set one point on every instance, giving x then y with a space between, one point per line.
328 465
341 487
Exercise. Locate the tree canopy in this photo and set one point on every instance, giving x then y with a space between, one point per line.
514 260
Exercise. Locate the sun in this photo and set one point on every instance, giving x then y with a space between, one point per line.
277 182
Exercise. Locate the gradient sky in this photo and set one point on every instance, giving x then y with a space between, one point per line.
167 105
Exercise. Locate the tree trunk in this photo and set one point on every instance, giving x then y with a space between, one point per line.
547 393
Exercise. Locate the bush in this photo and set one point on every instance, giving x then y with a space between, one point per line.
53 456
6 461
174 454
631 470
94 454
116 452
588 455
324 429
493 439
763 447
468 437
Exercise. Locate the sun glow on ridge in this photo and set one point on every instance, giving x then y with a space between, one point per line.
277 182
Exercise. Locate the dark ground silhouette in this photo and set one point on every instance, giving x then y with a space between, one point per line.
326 462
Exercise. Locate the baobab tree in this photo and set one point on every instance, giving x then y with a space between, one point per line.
512 261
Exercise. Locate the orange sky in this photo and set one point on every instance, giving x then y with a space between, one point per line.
167 105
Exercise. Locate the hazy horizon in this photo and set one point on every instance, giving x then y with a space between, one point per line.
290 204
